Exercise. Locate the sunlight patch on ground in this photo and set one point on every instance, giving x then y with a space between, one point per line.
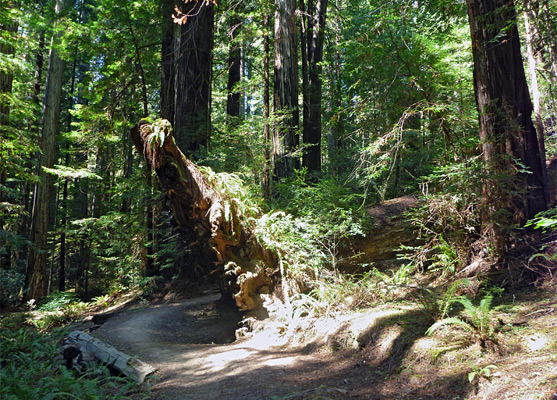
222 361
280 362
536 342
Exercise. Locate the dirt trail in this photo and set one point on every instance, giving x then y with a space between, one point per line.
182 341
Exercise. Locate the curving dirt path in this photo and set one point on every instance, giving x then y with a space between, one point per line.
191 344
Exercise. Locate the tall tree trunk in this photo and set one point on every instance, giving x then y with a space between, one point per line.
506 129
285 133
538 123
312 129
304 27
234 67
7 37
192 113
64 206
148 260
84 258
33 128
266 111
167 60
36 269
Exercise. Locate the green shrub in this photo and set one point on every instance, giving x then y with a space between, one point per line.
11 286
31 370
474 320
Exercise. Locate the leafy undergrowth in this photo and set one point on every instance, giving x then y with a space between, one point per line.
32 368
31 363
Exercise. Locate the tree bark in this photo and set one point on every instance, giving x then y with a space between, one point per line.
167 60
36 269
192 103
212 222
507 133
7 33
234 68
285 133
312 129
530 32
266 111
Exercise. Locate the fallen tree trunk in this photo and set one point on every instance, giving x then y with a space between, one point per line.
211 221
133 368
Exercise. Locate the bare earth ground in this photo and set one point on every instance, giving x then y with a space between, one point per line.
379 353
178 339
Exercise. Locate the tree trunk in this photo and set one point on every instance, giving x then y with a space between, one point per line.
285 134
167 60
192 112
8 34
84 258
507 133
312 129
266 111
36 269
64 206
234 68
211 221
530 35
304 27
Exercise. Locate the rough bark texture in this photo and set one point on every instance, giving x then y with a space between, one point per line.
7 32
7 35
212 223
167 60
285 135
266 110
531 34
132 367
36 269
192 102
317 11
234 70
506 129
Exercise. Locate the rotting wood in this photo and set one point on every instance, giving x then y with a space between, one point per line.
133 368
200 210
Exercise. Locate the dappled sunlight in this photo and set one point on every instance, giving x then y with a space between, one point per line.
537 342
222 361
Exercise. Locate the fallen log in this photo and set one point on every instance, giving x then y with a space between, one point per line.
133 368
211 223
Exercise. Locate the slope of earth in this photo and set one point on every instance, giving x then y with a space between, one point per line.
188 343
377 354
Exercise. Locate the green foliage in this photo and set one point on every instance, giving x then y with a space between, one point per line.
241 200
437 303
448 220
308 235
481 372
545 221
30 370
11 286
475 320
57 301
336 295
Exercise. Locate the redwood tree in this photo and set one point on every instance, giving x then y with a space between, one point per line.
312 38
285 135
36 269
508 137
192 82
234 66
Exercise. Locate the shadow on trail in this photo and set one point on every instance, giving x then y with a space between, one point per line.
242 371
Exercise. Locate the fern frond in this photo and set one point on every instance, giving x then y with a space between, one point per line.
449 321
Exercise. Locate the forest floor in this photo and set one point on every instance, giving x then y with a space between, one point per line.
379 353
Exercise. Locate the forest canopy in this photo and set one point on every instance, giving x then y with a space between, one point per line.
293 118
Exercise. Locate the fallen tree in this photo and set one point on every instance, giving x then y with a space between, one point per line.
79 343
212 221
